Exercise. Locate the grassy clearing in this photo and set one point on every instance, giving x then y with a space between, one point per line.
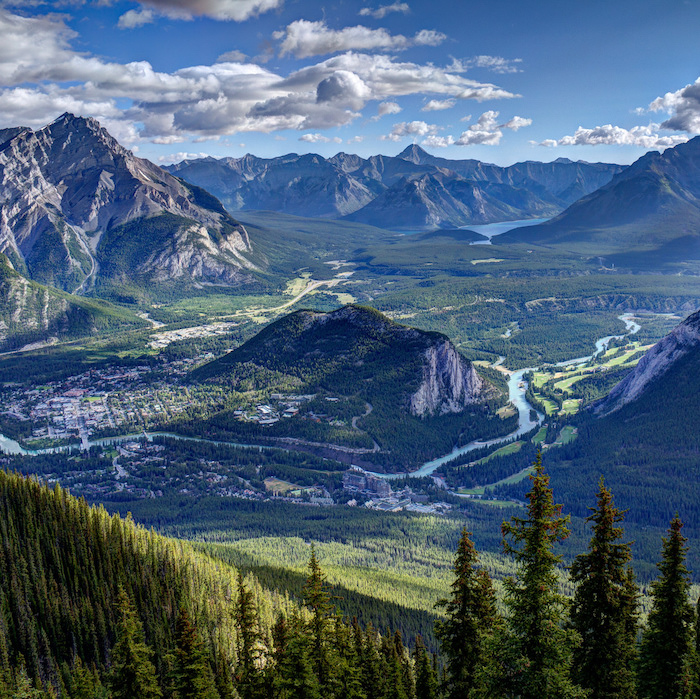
540 436
567 434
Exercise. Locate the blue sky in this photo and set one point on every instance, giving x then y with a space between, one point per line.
500 81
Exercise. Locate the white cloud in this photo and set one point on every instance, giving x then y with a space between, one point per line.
383 10
179 157
485 132
438 105
497 64
609 135
304 39
434 141
684 107
384 108
134 18
356 139
234 56
410 128
44 77
517 123
319 138
225 10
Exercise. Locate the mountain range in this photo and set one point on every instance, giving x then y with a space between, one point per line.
411 191
79 211
649 212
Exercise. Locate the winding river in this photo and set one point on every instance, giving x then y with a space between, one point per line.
517 388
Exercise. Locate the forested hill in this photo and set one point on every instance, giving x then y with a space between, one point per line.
92 605
408 392
63 565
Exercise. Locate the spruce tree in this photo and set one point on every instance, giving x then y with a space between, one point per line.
470 617
667 652
426 679
248 676
604 609
294 677
132 673
192 674
318 601
531 657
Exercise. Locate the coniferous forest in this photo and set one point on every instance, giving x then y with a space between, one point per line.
93 605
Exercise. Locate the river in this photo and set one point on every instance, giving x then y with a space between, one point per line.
491 230
517 387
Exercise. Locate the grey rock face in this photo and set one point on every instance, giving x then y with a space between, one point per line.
685 338
450 383
63 186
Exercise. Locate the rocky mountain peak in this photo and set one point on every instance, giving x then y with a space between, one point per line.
681 341
67 184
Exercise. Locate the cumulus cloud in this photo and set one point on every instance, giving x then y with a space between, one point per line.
179 157
319 138
517 123
225 10
44 76
384 108
234 56
485 132
683 106
609 135
383 10
135 18
438 105
410 128
304 39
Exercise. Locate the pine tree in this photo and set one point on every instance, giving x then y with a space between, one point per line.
604 610
192 674
667 652
132 673
471 614
426 680
531 658
318 601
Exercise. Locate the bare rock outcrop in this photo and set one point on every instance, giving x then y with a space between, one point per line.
655 363
450 383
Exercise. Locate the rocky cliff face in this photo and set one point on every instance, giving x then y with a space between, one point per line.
64 186
450 383
680 342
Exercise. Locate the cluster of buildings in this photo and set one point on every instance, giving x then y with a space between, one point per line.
382 496
285 406
99 401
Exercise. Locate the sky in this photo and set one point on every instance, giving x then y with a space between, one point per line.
500 81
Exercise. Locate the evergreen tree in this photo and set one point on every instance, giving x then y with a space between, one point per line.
426 680
604 610
531 658
248 676
192 674
295 678
84 683
667 652
318 601
132 674
471 614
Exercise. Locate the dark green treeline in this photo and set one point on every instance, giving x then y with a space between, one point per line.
93 606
